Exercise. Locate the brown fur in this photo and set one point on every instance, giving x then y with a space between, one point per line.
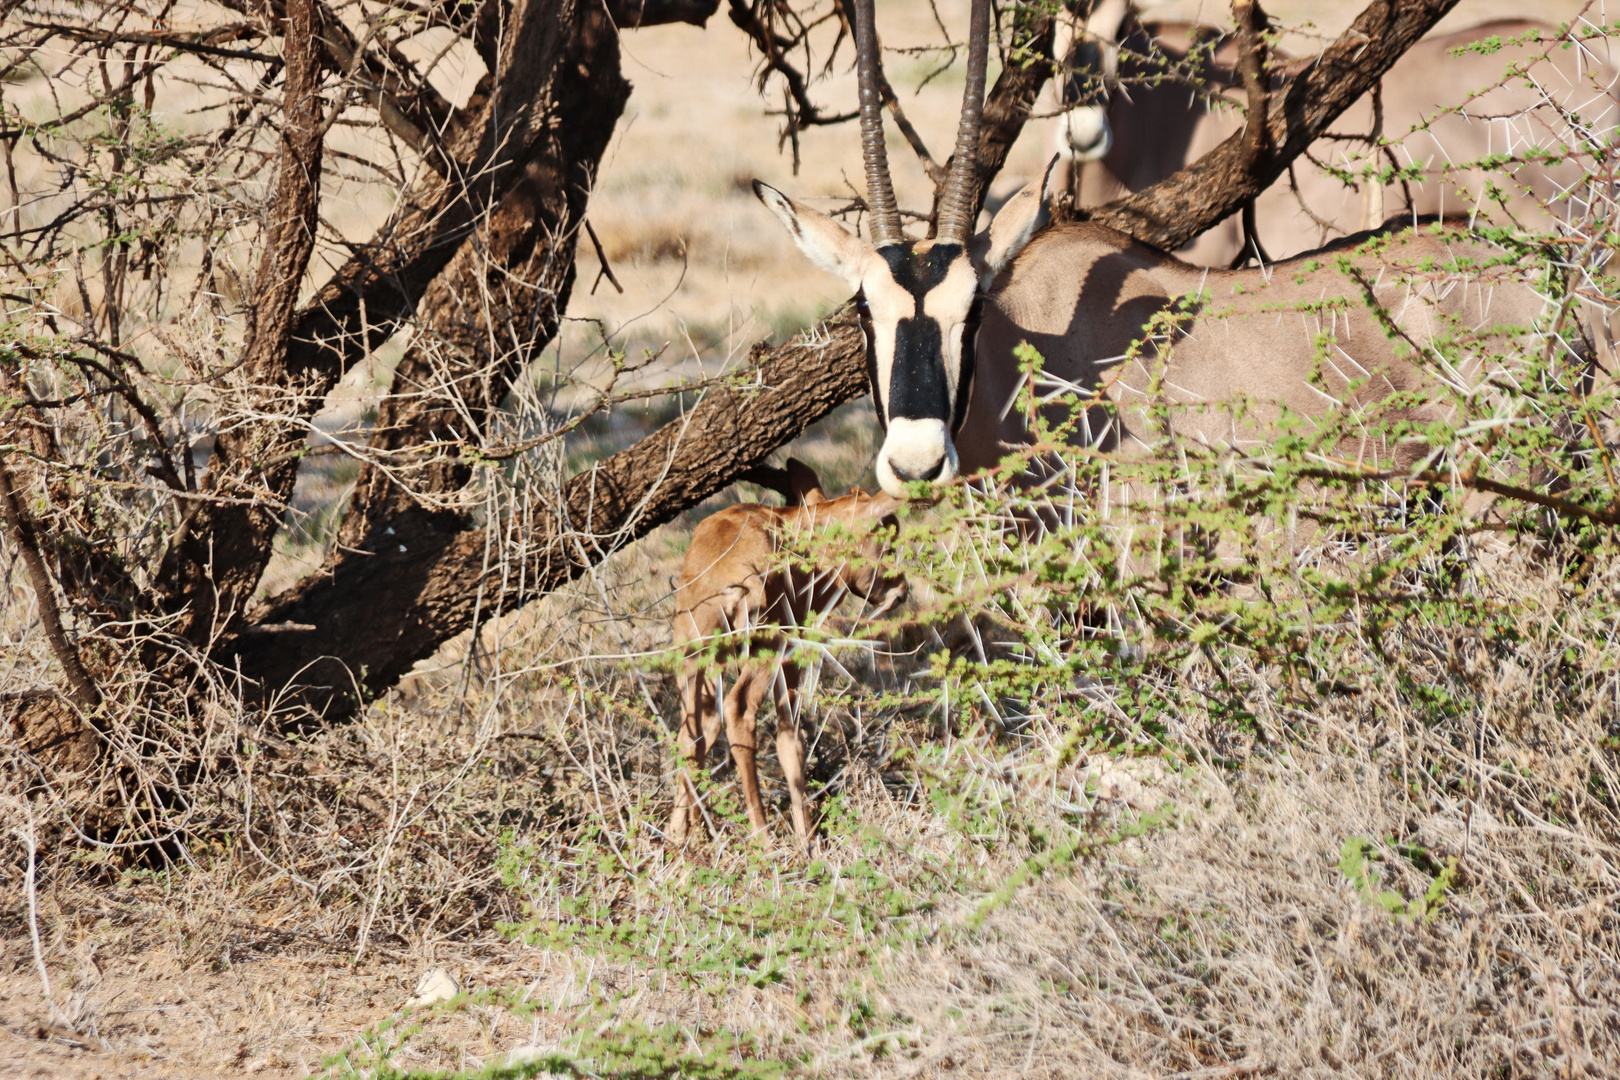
736 580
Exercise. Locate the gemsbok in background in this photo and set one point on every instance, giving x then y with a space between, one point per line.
1146 99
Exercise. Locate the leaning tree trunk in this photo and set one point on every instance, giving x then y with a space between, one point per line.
484 235
556 55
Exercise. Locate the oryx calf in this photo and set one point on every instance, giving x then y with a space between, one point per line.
738 582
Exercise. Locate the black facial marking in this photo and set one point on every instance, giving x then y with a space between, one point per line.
1084 85
918 389
863 314
918 271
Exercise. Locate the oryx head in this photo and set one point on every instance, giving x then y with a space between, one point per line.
917 298
1088 55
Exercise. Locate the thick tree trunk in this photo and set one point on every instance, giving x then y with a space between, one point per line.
372 294
544 76
364 626
214 562
497 303
541 130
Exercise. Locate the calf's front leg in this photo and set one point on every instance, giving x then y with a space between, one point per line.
742 715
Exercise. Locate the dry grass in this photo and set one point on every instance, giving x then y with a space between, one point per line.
1100 883
1147 869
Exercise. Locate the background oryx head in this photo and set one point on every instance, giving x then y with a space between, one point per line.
917 298
1087 51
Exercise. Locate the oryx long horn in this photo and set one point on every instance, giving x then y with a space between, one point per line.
879 186
956 204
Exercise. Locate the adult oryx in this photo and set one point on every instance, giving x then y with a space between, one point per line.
943 316
1176 91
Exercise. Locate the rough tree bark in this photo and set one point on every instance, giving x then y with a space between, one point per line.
368 623
505 134
372 614
214 561
513 175
498 302
367 299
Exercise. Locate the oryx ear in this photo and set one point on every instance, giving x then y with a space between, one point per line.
819 236
1019 218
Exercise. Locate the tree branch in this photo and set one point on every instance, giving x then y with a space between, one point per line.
427 581
211 569
81 687
497 303
635 14
1252 25
1007 106
215 561
1175 210
367 299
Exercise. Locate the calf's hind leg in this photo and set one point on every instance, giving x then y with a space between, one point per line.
790 747
699 726
742 714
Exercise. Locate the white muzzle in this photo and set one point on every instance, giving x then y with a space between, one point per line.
915 450
1087 132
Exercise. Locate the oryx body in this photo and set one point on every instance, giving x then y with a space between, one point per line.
1217 373
1298 335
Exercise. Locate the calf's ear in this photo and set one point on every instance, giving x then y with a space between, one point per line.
804 482
886 602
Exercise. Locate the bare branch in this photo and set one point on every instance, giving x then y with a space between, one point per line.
81 687
215 563
1252 25
1007 106
426 581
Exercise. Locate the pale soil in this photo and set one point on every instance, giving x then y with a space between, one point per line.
1226 925
164 986
158 1012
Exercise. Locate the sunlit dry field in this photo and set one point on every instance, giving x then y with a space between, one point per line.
1408 869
